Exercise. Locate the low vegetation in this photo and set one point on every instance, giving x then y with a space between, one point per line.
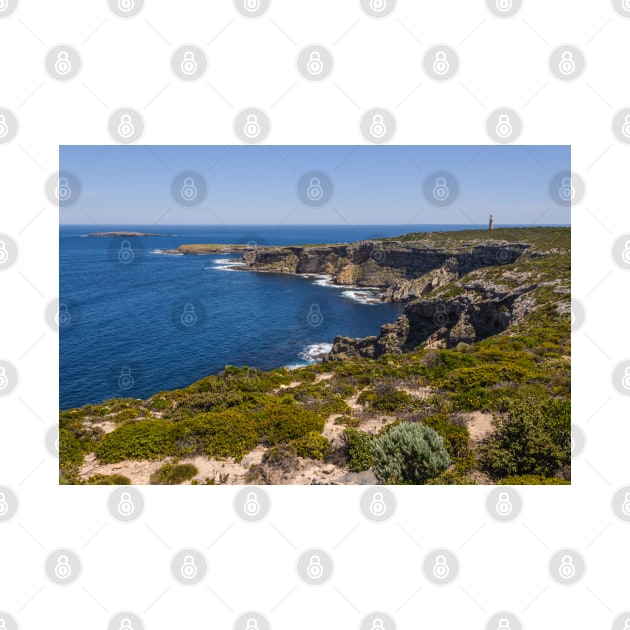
405 417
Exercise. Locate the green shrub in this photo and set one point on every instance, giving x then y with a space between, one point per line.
409 453
455 436
146 439
108 480
173 474
285 422
283 457
386 398
532 480
313 445
230 433
533 438
359 449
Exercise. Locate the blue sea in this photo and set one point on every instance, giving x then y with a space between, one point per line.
135 321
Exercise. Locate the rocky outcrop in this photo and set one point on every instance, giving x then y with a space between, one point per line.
403 269
481 311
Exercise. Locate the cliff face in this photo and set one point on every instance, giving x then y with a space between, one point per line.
403 270
458 287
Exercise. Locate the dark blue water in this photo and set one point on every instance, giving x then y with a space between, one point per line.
134 321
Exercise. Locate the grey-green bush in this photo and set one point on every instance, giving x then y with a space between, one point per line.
409 453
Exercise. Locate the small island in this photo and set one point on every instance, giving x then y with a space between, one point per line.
124 233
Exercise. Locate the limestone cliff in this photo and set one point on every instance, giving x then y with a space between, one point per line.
458 287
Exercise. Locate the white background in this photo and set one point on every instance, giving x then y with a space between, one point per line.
252 63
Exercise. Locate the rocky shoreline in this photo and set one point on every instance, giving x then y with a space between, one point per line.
426 274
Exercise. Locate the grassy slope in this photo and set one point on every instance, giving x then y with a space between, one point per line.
521 376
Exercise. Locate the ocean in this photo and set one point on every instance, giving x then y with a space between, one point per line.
158 321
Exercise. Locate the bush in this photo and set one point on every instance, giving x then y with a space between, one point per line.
108 480
313 445
229 433
359 449
409 453
533 438
455 436
532 480
386 398
283 457
173 474
147 439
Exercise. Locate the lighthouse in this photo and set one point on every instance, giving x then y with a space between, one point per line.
491 223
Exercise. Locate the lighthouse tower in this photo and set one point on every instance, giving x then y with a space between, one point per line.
491 223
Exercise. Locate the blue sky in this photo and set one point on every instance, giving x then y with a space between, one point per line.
378 185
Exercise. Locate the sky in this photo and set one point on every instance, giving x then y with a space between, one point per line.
371 185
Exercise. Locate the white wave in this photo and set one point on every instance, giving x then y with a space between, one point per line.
225 264
162 252
364 296
312 353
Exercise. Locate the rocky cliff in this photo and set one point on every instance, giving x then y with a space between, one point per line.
458 287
